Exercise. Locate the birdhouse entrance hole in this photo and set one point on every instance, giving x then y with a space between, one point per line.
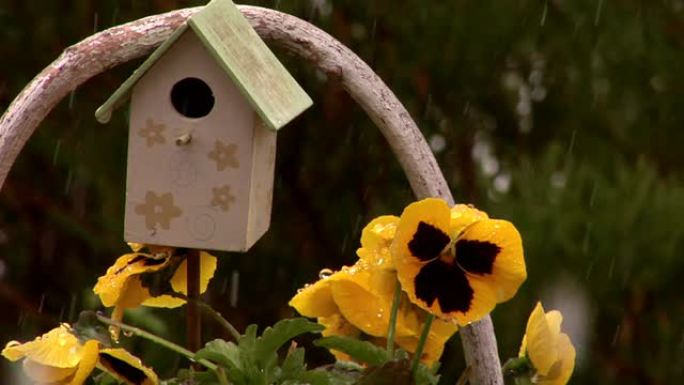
192 98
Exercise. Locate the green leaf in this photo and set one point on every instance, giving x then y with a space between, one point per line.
275 337
189 376
293 365
310 377
362 351
426 376
228 355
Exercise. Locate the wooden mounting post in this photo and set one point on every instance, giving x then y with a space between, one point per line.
193 318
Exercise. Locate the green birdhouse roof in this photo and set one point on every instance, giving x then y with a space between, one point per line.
245 58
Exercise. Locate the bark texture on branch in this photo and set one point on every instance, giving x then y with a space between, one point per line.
120 44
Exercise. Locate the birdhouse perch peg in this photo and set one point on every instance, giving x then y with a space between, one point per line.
204 111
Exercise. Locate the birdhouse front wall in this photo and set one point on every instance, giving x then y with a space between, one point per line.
193 166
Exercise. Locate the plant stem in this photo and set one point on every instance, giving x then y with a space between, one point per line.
421 342
212 312
156 339
393 319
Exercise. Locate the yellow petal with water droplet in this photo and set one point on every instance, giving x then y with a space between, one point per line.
376 238
110 286
315 300
463 216
58 348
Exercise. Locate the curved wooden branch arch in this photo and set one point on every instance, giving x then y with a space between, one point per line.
123 43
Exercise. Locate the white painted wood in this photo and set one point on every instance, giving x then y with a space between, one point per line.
198 194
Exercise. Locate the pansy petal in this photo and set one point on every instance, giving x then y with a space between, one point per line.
109 286
554 318
88 362
43 374
164 301
443 289
336 325
541 342
133 294
58 348
463 216
443 330
179 281
126 367
376 238
566 352
136 247
434 345
422 232
359 303
491 250
14 351
315 300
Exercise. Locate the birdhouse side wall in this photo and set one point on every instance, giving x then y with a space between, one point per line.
189 178
261 191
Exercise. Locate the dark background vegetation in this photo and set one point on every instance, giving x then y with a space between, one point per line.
566 117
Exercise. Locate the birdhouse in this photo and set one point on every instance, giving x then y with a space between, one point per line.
204 111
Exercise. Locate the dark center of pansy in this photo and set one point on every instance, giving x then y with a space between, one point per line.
132 374
446 283
428 242
476 257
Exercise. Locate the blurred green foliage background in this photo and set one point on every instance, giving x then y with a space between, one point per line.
565 117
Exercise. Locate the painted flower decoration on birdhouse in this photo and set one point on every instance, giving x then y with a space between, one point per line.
456 263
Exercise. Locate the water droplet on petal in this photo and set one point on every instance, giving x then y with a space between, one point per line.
325 273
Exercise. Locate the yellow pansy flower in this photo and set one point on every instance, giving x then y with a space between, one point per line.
59 358
122 287
456 263
548 349
121 283
358 299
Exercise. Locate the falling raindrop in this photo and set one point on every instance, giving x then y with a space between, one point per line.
234 287
502 182
67 186
56 153
437 143
70 105
95 22
325 273
41 303
72 308
558 179
615 336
